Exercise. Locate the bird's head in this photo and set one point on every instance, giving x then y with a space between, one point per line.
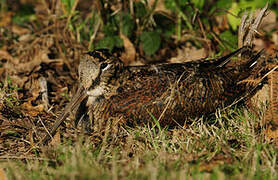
98 66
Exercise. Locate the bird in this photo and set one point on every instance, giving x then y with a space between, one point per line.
169 93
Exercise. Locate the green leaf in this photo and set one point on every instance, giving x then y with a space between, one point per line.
229 39
25 14
198 3
110 42
234 21
164 25
170 4
155 121
68 4
110 29
106 42
150 42
118 42
140 9
255 4
127 24
224 4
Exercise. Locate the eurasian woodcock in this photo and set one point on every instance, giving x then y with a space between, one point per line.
171 93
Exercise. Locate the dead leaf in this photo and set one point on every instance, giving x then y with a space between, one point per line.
20 30
222 22
275 38
217 160
19 81
128 56
5 55
271 134
160 6
56 140
36 61
32 110
26 38
2 174
188 54
269 21
5 18
40 57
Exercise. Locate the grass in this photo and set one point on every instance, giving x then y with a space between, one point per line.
230 148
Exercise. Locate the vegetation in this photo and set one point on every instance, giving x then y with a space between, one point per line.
41 42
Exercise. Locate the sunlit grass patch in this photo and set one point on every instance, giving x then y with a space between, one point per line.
201 150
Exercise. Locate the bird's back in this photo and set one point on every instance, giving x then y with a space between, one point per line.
174 93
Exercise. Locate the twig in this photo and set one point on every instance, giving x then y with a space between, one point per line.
95 33
131 7
71 13
248 27
45 128
217 39
44 92
183 15
255 25
241 29
204 34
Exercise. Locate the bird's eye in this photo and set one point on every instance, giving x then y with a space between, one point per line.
103 65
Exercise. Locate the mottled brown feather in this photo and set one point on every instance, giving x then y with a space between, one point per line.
172 93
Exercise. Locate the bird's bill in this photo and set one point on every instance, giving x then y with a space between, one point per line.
79 96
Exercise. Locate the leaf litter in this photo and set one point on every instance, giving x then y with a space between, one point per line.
42 69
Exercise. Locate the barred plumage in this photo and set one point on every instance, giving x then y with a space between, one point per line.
172 93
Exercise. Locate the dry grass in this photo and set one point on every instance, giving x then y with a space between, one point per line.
234 145
229 148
